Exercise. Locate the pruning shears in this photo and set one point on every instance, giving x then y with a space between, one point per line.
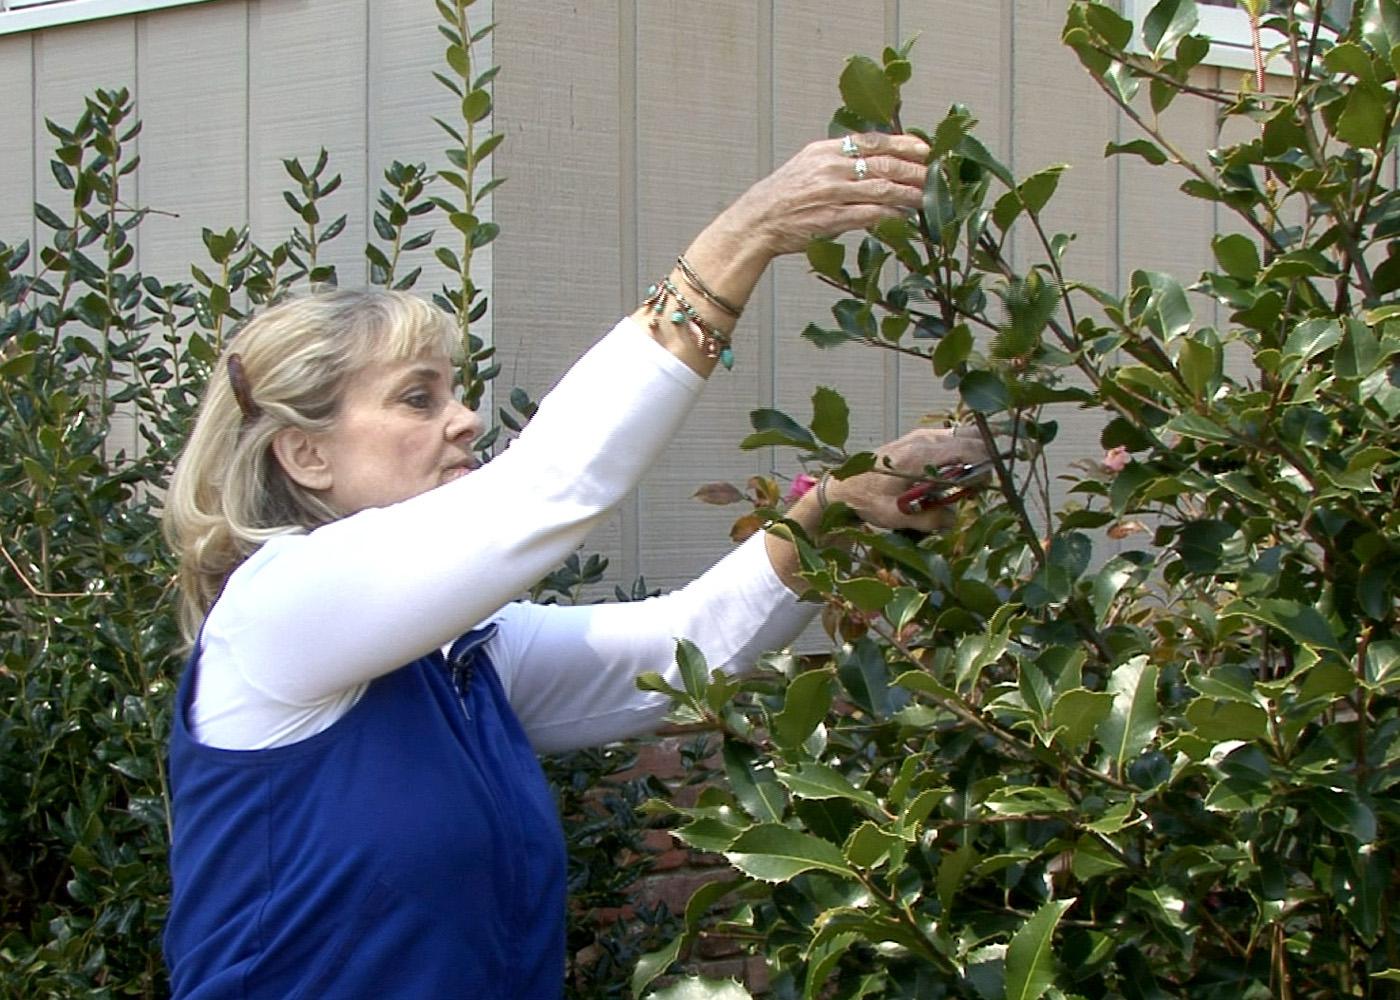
952 483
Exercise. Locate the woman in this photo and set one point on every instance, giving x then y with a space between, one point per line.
357 806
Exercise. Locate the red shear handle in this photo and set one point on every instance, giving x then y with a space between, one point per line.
928 494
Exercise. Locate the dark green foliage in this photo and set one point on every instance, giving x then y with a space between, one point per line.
1141 741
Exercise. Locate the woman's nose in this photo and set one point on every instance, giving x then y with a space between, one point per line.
463 422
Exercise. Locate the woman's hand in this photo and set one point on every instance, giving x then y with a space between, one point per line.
830 188
874 495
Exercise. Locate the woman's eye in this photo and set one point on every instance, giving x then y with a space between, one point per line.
419 400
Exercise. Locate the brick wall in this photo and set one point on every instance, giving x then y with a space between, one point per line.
679 871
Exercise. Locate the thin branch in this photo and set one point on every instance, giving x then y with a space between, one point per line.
46 594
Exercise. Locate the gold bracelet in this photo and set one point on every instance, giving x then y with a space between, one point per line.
694 281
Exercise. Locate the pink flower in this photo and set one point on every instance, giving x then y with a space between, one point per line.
801 483
1116 459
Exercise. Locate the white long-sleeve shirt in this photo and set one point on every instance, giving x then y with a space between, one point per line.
307 621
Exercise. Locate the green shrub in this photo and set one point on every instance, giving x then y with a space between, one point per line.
1142 744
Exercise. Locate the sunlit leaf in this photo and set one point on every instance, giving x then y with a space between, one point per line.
776 853
1030 959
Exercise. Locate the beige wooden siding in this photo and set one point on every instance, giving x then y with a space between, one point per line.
628 123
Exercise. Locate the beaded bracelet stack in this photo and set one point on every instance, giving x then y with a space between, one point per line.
714 342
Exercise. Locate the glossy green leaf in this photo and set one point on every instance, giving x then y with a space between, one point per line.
866 593
1035 689
1365 117
1149 151
869 846
753 782
1132 722
1380 24
1166 24
773 427
1237 255
805 704
830 417
812 780
1344 812
1030 959
952 869
702 988
1311 337
984 392
1030 304
826 257
822 957
865 676
772 852
1201 362
458 59
1302 623
476 105
654 963
903 606
1159 302
1359 880
1118 573
953 349
691 662
939 207
1079 713
1037 189
867 91
708 834
951 130
1219 721
1117 31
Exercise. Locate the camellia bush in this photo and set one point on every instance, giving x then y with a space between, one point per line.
1140 741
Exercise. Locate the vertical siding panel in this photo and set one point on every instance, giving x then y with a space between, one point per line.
558 269
810 48
194 137
697 126
307 91
17 122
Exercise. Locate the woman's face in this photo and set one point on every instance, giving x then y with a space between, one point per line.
399 432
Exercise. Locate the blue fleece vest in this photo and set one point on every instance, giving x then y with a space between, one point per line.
411 850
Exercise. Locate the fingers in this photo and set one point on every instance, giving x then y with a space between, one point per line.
878 169
923 447
868 144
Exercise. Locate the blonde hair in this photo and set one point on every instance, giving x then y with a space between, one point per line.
229 494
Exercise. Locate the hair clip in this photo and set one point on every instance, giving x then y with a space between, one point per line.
242 392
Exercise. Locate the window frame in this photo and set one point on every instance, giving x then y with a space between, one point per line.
32 15
1228 31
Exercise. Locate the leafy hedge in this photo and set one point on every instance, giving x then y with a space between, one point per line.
1141 742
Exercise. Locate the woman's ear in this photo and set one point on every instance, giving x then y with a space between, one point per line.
302 458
